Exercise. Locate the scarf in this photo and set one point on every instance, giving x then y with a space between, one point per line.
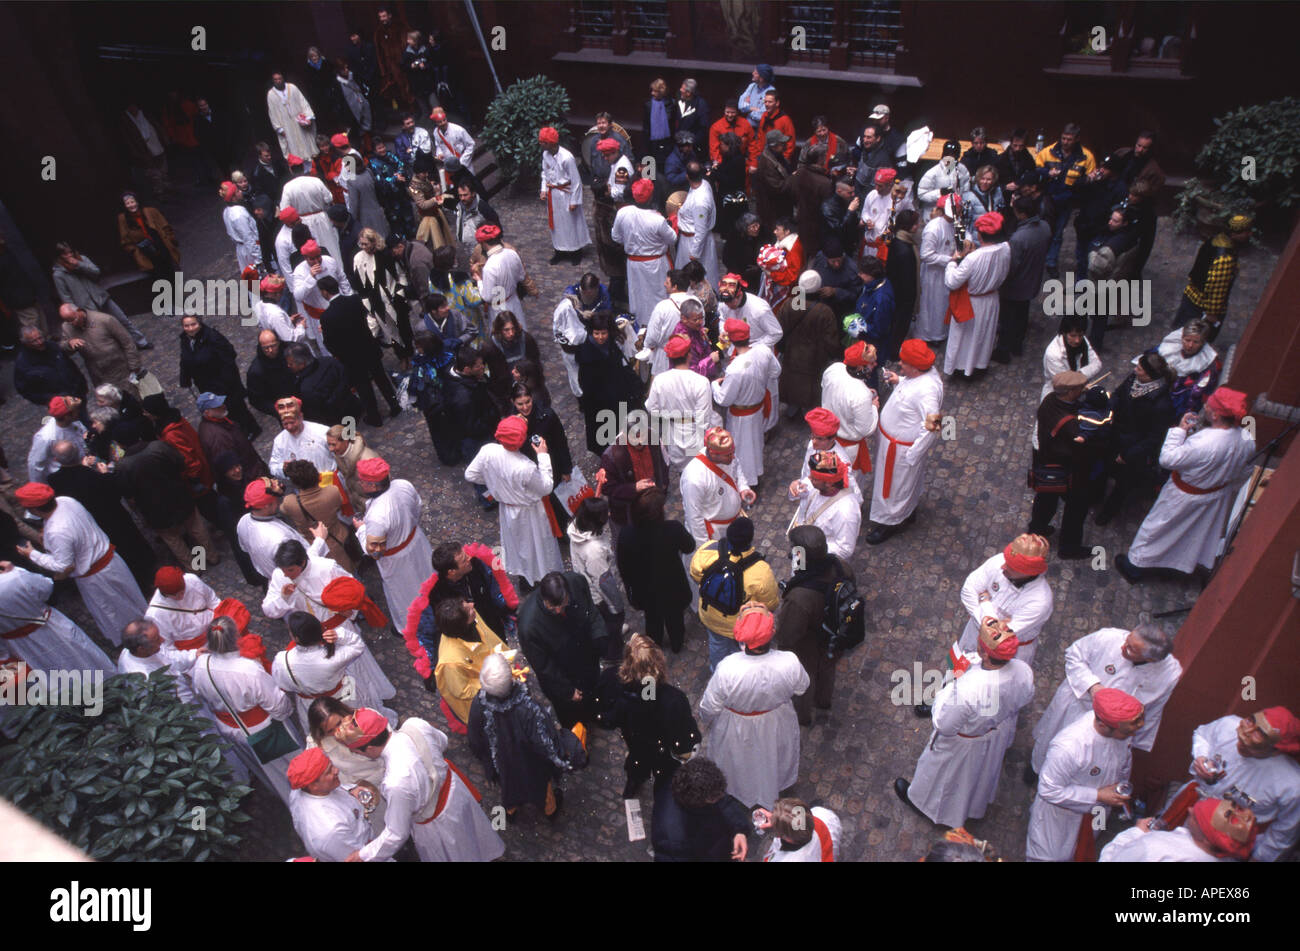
643 466
542 729
1139 390
1077 356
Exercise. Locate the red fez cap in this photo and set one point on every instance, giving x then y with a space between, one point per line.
608 145
234 609
229 190
737 330
915 353
754 625
858 354
293 160
822 422
999 643
255 494
59 406
372 470
272 283
307 767
989 223
349 594
642 189
950 202
1228 402
487 233
170 580
1220 835
339 140
34 495
289 215
677 346
835 476
438 113
1114 707
1026 554
511 432
548 135
249 273
1287 725
310 248
369 725
736 278
885 175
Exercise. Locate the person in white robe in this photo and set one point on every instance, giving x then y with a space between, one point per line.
1258 758
291 117
393 535
307 671
528 546
503 271
311 198
879 208
311 302
823 425
285 248
1077 785
299 439
271 316
648 240
664 318
64 427
240 229
427 798
450 141
617 189
1185 526
1056 357
75 546
181 608
145 650
975 714
695 221
948 174
764 328
747 712
1216 830
681 405
713 487
938 245
907 430
1012 588
1139 662
802 834
260 532
570 319
330 820
827 501
562 192
42 636
856 407
981 272
745 392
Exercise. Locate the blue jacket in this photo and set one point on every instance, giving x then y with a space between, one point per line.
876 305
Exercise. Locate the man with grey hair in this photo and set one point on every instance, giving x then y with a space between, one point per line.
1139 662
692 111
145 650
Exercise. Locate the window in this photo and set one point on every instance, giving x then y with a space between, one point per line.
875 32
818 22
594 24
647 22
1147 39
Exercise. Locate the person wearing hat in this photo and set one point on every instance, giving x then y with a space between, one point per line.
1061 444
829 501
529 548
287 255
450 141
748 714
42 636
1210 280
181 608
315 265
812 342
948 177
621 170
61 425
298 438
880 208
739 304
675 168
823 425
695 223
751 103
681 400
240 228
260 532
1216 830
648 241
76 547
310 198
503 272
744 391
713 487
907 429
758 583
1140 662
973 276
1085 764
330 820
562 192
392 533
975 714
938 245
770 179
271 316
1184 527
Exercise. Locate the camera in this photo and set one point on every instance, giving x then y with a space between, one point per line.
535 440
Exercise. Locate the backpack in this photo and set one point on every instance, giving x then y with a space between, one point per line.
844 617
722 585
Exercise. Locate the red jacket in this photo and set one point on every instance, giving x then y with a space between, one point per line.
770 121
742 131
182 437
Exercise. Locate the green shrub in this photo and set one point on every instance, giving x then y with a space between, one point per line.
125 785
514 118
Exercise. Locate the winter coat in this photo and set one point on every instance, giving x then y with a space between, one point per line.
811 340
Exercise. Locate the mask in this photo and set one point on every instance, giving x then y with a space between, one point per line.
947 162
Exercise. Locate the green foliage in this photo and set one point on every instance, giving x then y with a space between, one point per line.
1270 135
514 118
124 785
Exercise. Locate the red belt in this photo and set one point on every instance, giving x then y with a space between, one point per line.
313 312
862 463
710 522
743 713
393 551
191 643
889 459
649 257
101 564
550 215
328 693
765 406
250 717
549 508
686 234
1193 490
444 792
26 628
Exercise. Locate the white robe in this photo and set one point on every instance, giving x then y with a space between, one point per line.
937 178
1025 609
746 381
974 725
283 109
1079 762
812 851
1055 361
1183 530
1097 659
306 673
562 192
332 826
311 302
982 272
1272 781
617 191
665 317
839 517
273 318
395 517
710 504
57 643
186 617
851 401
181 664
284 250
242 230
73 540
40 458
758 754
518 484
683 401
414 771
1174 845
764 328
695 221
310 197
644 233
456 142
938 245
567 326
903 420
260 537
840 451
502 272
308 444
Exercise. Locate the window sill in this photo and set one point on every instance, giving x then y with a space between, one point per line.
800 70
1101 70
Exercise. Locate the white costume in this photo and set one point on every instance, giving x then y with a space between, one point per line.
617 191
445 827
562 192
54 641
1025 609
261 536
1079 762
454 143
182 621
284 251
273 318
745 391
974 726
1096 660
306 674
695 221
1272 781
764 328
394 516
502 272
1056 361
683 400
1174 845
648 241
74 542
180 662
851 401
709 501
665 317
970 344
283 107
877 209
838 516
902 443
1184 527
242 230
308 444
40 459
938 245
840 451
332 826
310 197
827 835
955 179
519 485
750 725
311 302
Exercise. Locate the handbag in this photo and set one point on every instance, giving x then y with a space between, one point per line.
268 744
147 384
1049 478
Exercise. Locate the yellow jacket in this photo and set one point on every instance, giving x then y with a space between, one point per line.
760 585
459 664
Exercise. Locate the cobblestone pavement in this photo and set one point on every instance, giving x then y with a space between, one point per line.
976 501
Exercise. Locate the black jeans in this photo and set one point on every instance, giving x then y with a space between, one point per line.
217 510
361 377
1013 324
1077 501
657 618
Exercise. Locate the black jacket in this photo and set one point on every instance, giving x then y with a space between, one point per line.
325 394
846 282
269 182
697 123
1141 424
696 835
216 134
545 423
620 487
471 412
101 494
208 361
268 381
348 337
152 476
657 727
837 220
901 269
650 564
561 649
41 375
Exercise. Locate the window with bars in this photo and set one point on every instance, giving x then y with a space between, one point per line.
875 32
647 22
594 23
818 23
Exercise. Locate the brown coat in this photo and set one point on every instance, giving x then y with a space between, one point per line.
107 349
811 185
772 193
321 504
432 229
128 231
811 341
799 630
347 463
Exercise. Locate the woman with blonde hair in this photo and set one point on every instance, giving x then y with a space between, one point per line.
382 284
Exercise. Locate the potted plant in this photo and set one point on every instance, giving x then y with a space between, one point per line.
513 120
138 781
1251 162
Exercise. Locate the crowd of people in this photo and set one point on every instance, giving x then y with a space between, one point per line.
833 296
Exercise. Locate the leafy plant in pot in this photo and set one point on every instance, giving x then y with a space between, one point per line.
137 782
513 120
1252 162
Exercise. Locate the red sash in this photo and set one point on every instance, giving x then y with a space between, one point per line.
889 459
450 147
1180 805
712 467
102 563
959 306
444 792
393 551
549 508
765 406
328 693
313 312
824 837
882 248
250 717
550 213
1085 845
651 257
1193 490
192 643
862 463
745 713
19 632
333 621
